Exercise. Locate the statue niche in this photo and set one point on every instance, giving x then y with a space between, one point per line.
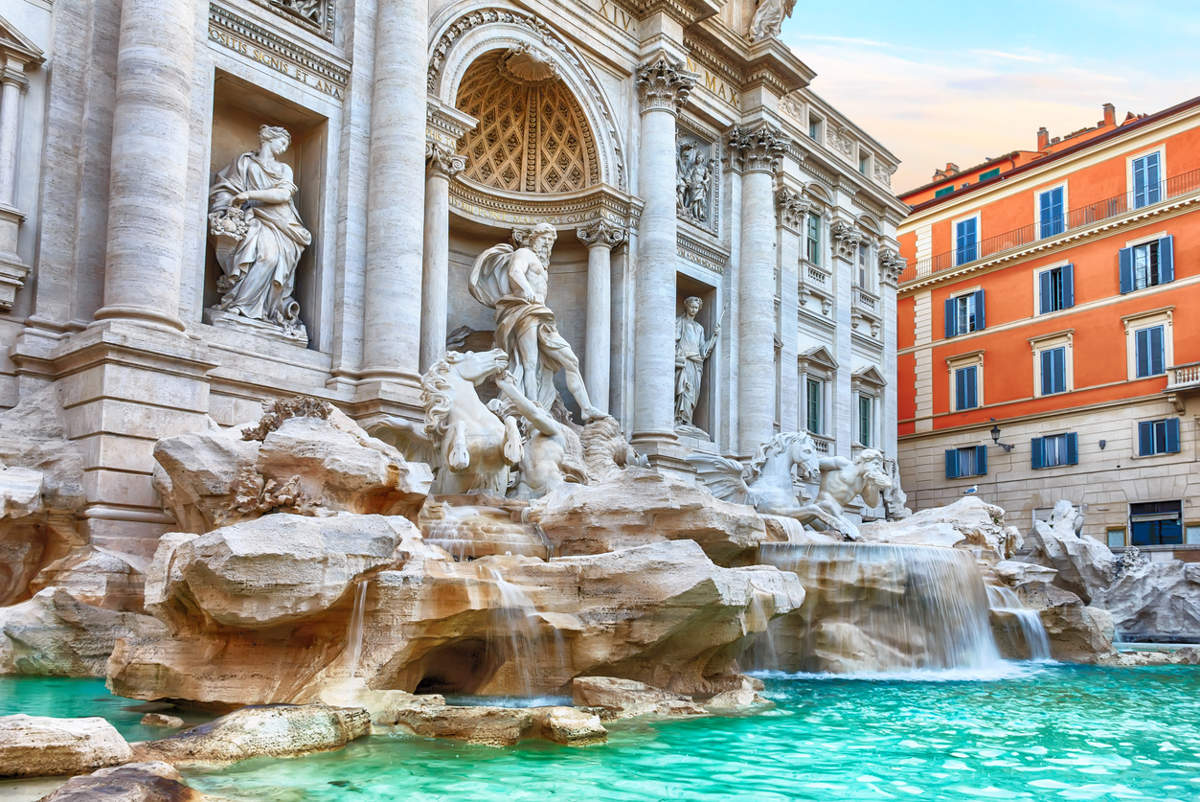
258 238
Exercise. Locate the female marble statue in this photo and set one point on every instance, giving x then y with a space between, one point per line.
258 234
769 17
691 351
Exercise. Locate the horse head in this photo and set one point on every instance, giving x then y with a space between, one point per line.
802 451
478 366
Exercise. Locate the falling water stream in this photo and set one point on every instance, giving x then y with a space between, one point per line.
1004 600
355 635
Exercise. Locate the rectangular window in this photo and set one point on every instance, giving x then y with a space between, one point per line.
1192 535
814 400
944 191
1156 523
1056 289
813 239
1054 370
966 388
1115 536
1055 450
1147 264
969 461
1148 347
965 313
1158 437
864 163
866 419
1147 178
966 241
864 270
989 175
814 128
1052 216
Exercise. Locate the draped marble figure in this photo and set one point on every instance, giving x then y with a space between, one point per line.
692 349
768 18
513 283
258 235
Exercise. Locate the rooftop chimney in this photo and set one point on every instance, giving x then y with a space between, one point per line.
1043 138
1110 115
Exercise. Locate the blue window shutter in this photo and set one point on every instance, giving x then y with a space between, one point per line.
1046 374
1068 285
951 463
1126 260
980 320
959 392
1157 354
1044 229
1060 370
1072 448
951 322
1145 438
1141 349
1039 459
1172 435
1152 178
972 382
1044 290
981 460
1139 182
1166 259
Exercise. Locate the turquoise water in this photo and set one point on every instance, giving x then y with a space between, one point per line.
1041 732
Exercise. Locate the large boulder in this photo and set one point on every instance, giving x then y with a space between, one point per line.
620 698
133 782
277 731
1151 599
304 457
636 506
56 634
969 523
96 576
1085 565
36 746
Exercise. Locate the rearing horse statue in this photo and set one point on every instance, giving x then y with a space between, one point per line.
767 483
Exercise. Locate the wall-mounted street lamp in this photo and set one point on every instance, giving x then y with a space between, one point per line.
996 438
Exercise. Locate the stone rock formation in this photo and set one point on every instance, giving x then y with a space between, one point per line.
1084 564
276 731
303 456
1077 633
968 523
133 782
36 746
622 698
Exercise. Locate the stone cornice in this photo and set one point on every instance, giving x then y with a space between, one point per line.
686 12
758 149
769 62
707 255
664 85
566 211
446 125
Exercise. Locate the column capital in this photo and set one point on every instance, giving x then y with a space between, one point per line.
601 233
758 149
664 85
441 160
891 265
846 239
792 207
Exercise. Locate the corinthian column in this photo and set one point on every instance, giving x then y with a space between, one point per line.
792 210
148 173
396 187
663 87
442 164
600 237
12 83
758 154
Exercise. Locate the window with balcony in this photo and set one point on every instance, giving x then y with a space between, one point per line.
1147 264
864 267
965 313
1156 523
1055 450
968 461
812 239
1158 437
966 388
1056 289
1149 354
966 240
1147 179
1052 216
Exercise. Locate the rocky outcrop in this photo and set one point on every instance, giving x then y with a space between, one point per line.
41 492
55 634
1151 599
277 731
1084 564
662 613
636 507
304 457
622 698
98 577
133 782
969 523
569 726
1077 633
162 720
36 746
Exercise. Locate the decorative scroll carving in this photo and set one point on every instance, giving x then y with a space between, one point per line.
601 232
846 239
758 150
792 208
664 84
768 19
441 160
891 265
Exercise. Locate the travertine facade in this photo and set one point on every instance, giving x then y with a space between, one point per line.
411 150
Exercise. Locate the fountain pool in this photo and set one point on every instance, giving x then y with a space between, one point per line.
1034 731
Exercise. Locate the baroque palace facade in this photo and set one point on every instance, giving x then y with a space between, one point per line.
1048 345
205 205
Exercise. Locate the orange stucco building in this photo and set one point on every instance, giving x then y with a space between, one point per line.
1049 330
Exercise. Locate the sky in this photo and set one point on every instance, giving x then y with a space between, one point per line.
938 82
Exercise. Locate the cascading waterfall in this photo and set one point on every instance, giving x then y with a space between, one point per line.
354 637
1004 600
533 650
881 607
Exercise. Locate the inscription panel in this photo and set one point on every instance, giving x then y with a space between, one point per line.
714 84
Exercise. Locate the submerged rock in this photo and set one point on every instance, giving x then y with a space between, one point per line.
623 698
37 746
569 726
133 782
162 720
278 731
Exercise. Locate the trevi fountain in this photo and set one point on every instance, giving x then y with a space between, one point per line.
531 510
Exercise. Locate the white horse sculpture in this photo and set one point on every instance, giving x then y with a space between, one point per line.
768 482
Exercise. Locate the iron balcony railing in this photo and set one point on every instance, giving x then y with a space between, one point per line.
1171 188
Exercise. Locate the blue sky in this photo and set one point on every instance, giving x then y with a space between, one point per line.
940 81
